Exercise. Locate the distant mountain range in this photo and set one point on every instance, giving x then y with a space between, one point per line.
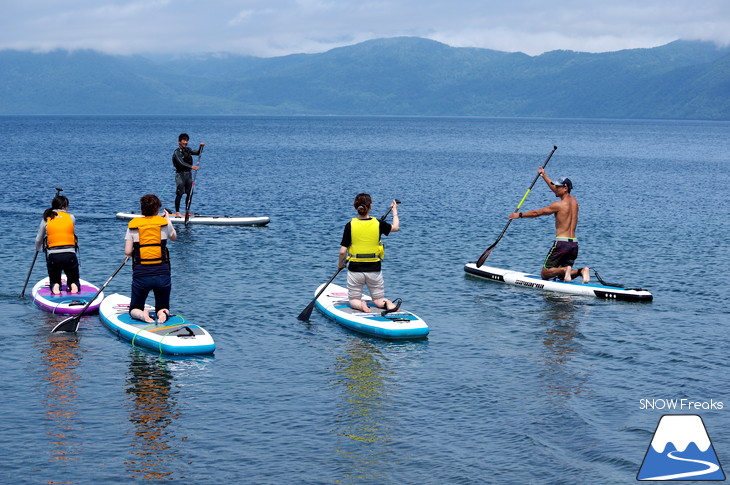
396 76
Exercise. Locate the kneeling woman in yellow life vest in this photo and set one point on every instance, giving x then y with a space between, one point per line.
362 247
146 241
57 237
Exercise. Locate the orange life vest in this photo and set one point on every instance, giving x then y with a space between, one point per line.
60 230
151 248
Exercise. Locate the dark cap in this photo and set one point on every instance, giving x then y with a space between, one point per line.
563 182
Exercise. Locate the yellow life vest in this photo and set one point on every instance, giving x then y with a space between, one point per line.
365 246
60 230
151 248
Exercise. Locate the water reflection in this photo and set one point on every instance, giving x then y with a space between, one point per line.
362 421
61 357
561 344
153 410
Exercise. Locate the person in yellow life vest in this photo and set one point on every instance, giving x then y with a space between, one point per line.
146 242
361 246
57 237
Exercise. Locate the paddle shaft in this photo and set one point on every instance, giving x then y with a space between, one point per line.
27 278
72 324
488 251
192 188
307 312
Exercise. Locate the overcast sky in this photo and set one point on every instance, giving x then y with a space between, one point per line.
269 28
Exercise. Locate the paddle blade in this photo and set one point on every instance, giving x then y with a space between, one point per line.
70 324
484 256
307 312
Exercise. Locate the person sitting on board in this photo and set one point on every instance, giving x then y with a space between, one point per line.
146 242
57 237
361 246
182 160
564 251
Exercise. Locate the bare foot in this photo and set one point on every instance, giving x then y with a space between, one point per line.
177 214
364 306
56 290
74 288
141 315
585 273
162 316
568 278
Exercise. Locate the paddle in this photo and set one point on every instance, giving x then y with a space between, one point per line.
488 251
307 312
71 324
192 188
27 278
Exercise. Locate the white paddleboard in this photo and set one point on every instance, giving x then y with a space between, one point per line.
334 304
209 220
527 280
177 336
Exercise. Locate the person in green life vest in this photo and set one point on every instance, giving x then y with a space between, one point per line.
361 246
146 242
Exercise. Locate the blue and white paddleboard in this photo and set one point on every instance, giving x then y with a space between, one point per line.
177 336
333 304
527 280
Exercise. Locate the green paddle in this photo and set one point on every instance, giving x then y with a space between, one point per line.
307 312
71 324
192 188
488 251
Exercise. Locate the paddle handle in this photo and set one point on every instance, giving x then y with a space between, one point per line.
388 211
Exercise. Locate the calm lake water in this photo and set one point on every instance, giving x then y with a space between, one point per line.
511 386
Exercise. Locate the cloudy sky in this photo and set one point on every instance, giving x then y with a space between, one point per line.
269 28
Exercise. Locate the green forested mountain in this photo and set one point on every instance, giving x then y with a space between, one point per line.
398 76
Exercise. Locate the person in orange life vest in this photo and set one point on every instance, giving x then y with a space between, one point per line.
146 242
361 246
182 160
57 237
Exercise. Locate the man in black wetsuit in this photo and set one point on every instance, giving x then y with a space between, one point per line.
182 160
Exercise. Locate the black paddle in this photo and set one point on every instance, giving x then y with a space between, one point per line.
307 312
488 251
192 188
27 278
71 324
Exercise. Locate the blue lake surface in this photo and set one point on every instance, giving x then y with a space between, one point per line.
511 386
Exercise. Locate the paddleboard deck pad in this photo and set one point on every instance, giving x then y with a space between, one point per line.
527 280
334 304
66 303
177 336
209 220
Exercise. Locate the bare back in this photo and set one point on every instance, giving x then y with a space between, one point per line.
566 216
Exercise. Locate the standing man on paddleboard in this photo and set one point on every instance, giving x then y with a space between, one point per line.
182 160
361 246
564 251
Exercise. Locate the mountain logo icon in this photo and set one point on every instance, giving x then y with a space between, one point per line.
680 450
